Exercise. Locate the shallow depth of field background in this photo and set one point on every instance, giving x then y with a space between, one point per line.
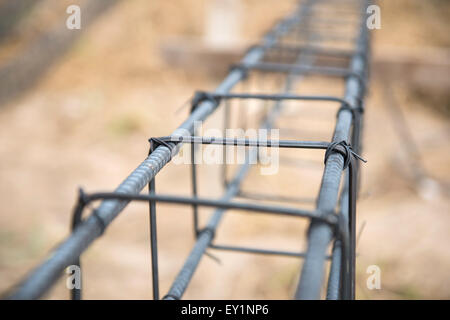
82 114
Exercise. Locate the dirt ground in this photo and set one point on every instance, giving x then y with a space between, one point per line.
87 120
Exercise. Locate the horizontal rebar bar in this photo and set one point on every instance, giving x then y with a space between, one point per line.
259 251
218 203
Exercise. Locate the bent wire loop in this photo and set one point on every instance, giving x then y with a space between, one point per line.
301 69
330 218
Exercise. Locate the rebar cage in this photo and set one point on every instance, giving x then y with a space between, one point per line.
326 39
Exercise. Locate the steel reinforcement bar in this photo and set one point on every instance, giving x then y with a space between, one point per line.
338 156
319 234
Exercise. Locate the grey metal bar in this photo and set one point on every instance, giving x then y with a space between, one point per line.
248 142
334 279
258 251
153 241
320 235
220 203
275 198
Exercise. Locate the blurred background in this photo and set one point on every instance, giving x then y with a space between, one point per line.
77 108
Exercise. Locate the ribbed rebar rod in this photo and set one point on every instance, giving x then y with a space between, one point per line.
320 235
334 278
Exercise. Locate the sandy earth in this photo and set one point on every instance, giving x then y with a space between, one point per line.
86 123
